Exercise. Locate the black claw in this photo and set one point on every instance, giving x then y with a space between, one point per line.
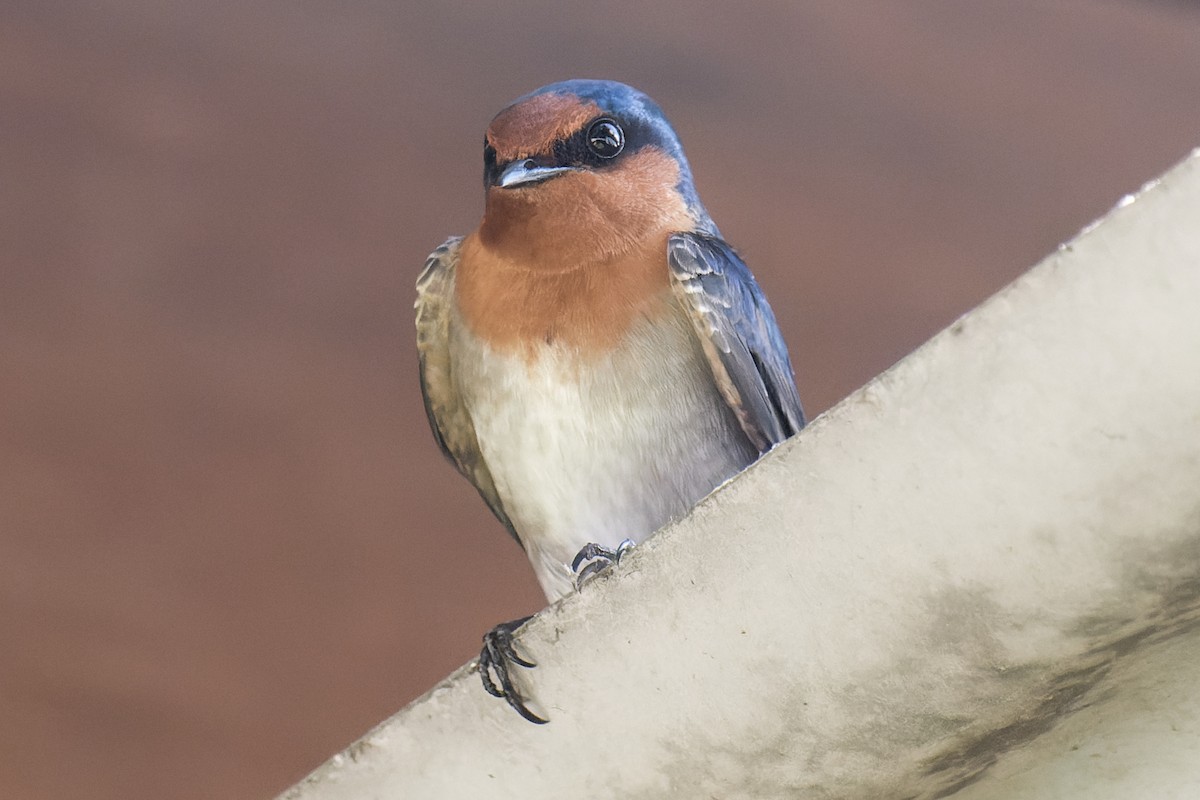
589 570
589 551
512 656
497 653
600 558
517 704
490 661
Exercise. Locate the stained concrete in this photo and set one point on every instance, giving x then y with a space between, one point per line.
970 577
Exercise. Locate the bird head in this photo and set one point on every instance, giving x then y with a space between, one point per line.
581 171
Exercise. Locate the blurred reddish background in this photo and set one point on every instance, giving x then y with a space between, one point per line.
228 544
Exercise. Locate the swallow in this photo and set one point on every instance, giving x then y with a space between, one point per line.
595 358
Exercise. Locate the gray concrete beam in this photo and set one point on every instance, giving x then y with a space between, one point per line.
980 574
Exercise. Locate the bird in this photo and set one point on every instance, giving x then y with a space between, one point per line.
594 357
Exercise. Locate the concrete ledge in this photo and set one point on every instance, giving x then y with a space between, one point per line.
979 575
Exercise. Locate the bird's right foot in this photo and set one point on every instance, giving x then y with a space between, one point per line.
496 658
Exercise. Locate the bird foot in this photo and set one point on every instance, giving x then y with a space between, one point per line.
496 658
594 558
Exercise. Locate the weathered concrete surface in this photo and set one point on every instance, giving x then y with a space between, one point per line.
1137 735
940 584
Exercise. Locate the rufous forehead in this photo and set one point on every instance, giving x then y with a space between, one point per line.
534 125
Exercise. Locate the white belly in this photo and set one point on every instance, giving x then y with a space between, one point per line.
599 452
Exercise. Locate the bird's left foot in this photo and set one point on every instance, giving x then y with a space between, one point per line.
595 558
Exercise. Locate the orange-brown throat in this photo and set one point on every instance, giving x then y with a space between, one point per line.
586 217
518 310
576 260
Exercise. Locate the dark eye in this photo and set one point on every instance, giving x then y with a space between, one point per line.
489 153
605 138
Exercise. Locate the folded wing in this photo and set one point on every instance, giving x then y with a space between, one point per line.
739 336
448 417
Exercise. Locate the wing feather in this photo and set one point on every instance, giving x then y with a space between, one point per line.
739 336
448 416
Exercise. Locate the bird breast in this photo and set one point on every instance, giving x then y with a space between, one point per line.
602 447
